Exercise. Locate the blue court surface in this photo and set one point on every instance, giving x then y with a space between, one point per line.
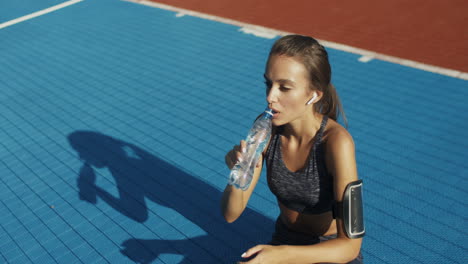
115 118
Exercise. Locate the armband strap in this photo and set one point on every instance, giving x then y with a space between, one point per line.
350 210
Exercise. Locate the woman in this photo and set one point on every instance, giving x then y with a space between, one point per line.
310 161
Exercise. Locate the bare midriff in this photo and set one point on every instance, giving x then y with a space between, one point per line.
314 224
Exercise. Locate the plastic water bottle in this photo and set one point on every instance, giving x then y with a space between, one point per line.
259 135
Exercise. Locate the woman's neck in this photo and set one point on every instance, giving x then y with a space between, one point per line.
304 128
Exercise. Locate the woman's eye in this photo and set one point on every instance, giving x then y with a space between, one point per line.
267 84
284 88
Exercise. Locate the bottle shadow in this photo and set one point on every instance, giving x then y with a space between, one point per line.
140 176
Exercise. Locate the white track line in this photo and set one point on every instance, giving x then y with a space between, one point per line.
38 13
270 33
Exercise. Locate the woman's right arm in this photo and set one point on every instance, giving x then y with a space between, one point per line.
235 200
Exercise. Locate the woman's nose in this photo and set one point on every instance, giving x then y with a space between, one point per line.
272 95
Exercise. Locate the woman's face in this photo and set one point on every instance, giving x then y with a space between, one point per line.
287 88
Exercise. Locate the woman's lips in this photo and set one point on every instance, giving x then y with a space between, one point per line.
275 113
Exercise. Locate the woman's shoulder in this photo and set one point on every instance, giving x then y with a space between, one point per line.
339 150
336 136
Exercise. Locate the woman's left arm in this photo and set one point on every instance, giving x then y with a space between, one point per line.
341 163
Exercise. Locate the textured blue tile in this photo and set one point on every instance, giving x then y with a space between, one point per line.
92 257
2 258
42 257
67 257
19 259
16 255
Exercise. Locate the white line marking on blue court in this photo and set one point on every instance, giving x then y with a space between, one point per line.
259 32
38 13
365 59
258 29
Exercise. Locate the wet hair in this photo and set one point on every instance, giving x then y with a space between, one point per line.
315 59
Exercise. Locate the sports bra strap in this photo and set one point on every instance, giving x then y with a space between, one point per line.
321 129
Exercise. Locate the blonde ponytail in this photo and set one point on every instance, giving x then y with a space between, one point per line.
330 104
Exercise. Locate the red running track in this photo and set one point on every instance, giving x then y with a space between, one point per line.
434 32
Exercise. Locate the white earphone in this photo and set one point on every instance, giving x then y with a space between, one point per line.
312 100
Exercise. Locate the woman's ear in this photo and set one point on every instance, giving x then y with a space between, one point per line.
312 99
316 97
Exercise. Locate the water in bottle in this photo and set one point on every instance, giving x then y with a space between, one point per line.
259 135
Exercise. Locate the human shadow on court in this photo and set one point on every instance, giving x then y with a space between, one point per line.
141 176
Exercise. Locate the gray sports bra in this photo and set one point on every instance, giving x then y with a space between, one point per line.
309 190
